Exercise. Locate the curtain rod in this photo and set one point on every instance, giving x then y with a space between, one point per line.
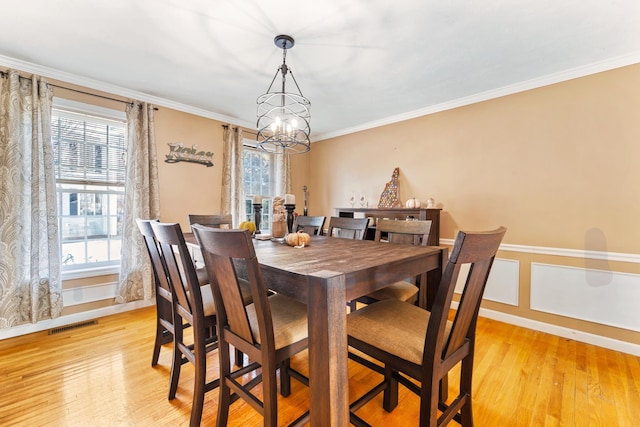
5 73
92 94
253 132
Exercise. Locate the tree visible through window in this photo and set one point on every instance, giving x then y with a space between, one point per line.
90 157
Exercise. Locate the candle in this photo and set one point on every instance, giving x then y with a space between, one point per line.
289 199
257 200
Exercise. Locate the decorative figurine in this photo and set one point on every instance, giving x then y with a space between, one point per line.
389 197
279 218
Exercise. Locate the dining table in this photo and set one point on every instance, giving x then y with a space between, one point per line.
325 275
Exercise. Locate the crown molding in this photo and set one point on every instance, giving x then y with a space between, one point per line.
574 73
594 68
75 79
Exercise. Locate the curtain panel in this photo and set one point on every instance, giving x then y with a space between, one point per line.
233 174
283 173
30 285
142 200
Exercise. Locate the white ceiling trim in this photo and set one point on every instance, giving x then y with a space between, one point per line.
602 66
63 76
598 67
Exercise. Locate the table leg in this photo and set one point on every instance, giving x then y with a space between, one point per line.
433 282
328 376
433 279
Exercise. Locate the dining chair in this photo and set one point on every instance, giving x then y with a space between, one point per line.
398 232
165 301
192 304
348 228
310 224
269 331
433 345
215 221
164 296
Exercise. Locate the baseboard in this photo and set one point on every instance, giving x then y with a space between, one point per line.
72 318
610 343
585 337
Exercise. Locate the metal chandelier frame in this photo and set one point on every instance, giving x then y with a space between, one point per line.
283 117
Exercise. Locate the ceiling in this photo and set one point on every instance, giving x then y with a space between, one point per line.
361 62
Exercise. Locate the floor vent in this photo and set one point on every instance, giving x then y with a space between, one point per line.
74 326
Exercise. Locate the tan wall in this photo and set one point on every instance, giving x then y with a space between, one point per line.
188 188
184 187
550 164
558 166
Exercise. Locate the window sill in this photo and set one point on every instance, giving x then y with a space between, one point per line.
82 273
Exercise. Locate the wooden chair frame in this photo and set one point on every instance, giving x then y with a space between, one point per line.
164 295
225 253
348 228
213 221
187 308
399 232
446 344
310 224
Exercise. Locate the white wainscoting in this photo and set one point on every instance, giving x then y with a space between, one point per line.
85 294
605 297
503 283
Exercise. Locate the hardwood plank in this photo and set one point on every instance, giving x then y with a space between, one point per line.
101 375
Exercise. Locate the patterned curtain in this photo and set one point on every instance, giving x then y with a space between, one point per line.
233 174
30 286
142 200
283 174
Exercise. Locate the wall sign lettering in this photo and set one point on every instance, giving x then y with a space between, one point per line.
179 153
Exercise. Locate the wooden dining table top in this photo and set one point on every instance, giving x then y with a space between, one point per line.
364 263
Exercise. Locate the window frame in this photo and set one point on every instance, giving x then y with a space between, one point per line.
102 115
267 199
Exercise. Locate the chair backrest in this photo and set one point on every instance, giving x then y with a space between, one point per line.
214 221
157 262
475 250
310 224
348 228
181 272
225 252
408 232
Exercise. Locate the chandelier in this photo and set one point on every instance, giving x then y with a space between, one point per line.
283 117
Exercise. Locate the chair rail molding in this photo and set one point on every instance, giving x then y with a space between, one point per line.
570 253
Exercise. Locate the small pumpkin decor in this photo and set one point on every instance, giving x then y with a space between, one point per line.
298 239
413 203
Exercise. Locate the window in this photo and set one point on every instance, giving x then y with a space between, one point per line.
90 157
259 180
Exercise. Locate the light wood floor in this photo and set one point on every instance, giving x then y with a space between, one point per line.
100 375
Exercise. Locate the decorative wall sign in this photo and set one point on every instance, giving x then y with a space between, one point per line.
179 153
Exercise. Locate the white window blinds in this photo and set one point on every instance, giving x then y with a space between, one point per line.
88 150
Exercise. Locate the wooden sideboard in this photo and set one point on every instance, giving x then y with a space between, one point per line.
398 213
